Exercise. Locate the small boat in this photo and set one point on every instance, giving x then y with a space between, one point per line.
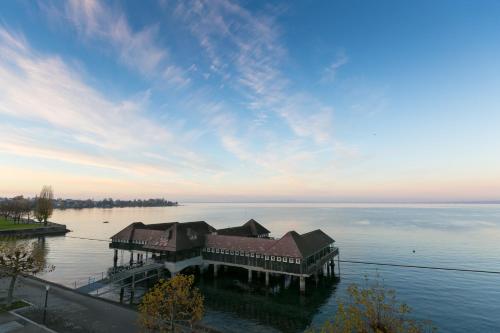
105 222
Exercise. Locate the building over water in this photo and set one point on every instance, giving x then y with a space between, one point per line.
181 245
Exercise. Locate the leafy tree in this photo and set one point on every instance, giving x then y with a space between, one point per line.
44 204
21 258
374 309
171 303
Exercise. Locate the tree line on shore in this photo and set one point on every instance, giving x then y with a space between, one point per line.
19 207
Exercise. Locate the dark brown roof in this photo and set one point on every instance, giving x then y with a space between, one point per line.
172 236
290 245
181 236
251 228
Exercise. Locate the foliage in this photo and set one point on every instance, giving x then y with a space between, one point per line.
44 204
171 303
374 309
21 257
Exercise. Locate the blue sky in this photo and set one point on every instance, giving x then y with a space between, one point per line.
221 100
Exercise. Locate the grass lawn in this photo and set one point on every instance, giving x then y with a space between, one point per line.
10 225
15 305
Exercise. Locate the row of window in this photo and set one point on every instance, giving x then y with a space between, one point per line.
252 255
117 240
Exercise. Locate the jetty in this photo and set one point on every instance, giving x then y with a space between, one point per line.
176 246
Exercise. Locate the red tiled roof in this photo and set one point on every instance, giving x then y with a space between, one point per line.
238 243
290 245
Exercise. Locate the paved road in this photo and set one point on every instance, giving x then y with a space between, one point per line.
70 312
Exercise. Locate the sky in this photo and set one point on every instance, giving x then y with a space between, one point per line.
251 100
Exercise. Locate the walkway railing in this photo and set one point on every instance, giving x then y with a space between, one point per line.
121 273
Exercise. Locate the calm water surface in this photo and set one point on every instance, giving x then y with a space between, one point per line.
464 236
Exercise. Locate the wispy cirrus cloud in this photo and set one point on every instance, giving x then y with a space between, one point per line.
330 72
246 51
62 110
139 50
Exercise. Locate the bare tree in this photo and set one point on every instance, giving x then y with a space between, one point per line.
44 205
21 258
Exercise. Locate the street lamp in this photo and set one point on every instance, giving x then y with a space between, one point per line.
47 288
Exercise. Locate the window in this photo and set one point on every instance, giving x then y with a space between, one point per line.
267 257
227 252
285 259
231 252
218 250
252 255
248 254
272 258
291 260
297 261
257 256
237 253
279 258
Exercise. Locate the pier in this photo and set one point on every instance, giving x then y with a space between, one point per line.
176 246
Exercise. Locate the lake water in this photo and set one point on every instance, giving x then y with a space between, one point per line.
459 236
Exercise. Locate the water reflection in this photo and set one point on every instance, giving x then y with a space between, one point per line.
280 306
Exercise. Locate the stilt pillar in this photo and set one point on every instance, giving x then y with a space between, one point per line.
122 291
249 276
115 259
302 285
132 290
267 279
131 257
216 268
316 278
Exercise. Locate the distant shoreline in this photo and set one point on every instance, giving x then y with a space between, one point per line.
352 202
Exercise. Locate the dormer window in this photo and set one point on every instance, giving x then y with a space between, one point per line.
297 261
267 257
273 258
252 255
285 259
279 258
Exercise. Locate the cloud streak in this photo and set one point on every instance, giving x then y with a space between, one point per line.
62 109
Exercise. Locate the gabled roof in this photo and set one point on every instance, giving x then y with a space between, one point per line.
181 236
128 232
311 241
256 228
171 236
290 245
238 243
251 228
